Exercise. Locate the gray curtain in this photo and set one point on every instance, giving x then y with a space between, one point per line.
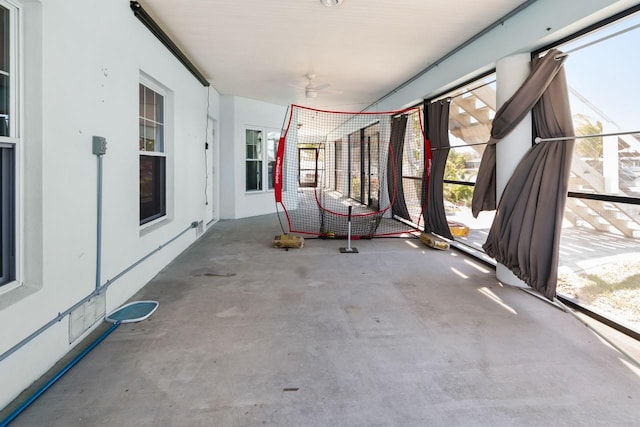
437 124
394 167
525 233
506 119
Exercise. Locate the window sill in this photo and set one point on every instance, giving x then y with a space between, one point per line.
151 226
8 287
14 292
250 192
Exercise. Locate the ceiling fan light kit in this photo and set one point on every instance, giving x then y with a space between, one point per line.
331 3
311 90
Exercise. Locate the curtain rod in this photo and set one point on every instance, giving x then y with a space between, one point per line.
591 43
566 138
451 147
538 139
155 29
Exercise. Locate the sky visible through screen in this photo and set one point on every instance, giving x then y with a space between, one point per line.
606 74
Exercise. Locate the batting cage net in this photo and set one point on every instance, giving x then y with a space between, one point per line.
373 162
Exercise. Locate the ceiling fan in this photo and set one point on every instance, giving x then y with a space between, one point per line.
311 90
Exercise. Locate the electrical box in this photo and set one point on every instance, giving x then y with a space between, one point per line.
99 145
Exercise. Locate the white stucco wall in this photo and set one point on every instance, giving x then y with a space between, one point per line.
239 114
80 74
212 164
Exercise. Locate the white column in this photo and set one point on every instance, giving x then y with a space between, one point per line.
511 72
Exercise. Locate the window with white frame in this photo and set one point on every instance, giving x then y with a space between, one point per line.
260 158
273 138
153 156
9 143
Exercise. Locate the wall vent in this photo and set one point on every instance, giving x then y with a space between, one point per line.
84 317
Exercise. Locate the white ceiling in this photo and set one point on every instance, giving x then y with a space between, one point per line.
262 49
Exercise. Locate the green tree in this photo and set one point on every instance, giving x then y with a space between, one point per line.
590 149
456 170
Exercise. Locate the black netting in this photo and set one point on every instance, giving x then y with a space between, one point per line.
331 161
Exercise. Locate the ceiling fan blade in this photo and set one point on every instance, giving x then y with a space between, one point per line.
322 86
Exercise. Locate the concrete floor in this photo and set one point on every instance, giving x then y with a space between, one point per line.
397 335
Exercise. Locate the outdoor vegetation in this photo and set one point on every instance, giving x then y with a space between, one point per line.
612 287
457 170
